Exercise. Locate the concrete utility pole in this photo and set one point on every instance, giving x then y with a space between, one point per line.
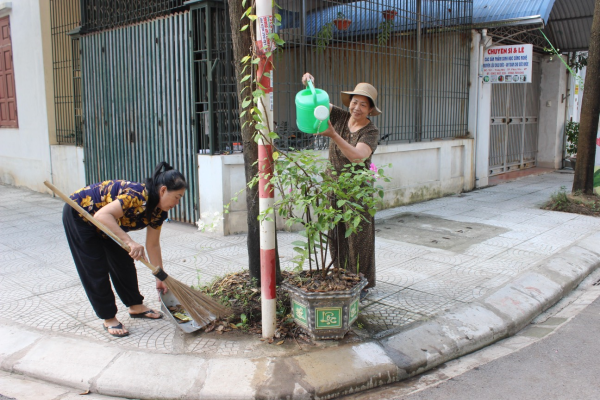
264 26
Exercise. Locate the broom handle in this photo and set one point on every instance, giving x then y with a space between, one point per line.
97 223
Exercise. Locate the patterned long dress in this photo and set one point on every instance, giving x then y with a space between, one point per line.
359 247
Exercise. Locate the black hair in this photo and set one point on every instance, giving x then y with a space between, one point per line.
164 175
371 103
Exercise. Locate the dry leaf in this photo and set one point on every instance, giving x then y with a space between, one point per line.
220 328
233 325
84 393
278 343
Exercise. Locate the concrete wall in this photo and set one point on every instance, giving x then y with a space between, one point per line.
68 170
24 151
552 112
420 171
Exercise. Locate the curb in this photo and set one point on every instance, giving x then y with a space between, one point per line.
335 371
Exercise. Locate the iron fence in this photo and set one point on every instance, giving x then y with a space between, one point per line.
137 86
415 52
215 82
64 17
98 15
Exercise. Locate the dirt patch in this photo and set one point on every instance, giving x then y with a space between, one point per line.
240 293
574 203
431 231
315 282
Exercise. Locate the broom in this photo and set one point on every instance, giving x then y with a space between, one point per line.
202 308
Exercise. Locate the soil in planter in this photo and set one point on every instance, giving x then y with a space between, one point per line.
577 203
240 293
315 282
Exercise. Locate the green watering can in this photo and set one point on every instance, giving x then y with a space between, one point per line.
312 109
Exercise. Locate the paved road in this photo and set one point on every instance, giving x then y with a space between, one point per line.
553 359
563 366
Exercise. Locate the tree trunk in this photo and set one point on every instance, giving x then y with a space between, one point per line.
242 46
590 111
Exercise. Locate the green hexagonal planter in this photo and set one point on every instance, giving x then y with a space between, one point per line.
325 315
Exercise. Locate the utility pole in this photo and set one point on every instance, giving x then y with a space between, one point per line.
264 26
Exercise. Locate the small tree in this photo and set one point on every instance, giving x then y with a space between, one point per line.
313 195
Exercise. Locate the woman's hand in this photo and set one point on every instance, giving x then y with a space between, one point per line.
330 132
306 77
136 250
160 286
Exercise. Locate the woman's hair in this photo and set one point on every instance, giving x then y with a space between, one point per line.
371 103
164 175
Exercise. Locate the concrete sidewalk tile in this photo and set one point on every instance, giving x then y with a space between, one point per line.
400 277
229 378
419 302
346 369
157 376
66 361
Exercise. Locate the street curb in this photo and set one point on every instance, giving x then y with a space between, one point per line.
110 370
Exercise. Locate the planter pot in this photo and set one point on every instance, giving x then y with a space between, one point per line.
342 24
389 14
325 315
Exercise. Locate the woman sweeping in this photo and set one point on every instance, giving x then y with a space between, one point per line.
122 206
353 139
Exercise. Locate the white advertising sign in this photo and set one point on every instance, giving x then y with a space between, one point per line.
508 64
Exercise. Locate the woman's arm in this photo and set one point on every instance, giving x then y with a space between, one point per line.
356 154
108 215
155 254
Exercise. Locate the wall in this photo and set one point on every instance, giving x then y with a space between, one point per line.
24 151
552 113
420 171
68 169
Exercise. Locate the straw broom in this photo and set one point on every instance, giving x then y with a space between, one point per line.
202 308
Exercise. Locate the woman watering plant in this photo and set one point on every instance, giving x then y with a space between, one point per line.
353 139
122 206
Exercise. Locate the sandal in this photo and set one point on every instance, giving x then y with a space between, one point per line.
120 326
145 314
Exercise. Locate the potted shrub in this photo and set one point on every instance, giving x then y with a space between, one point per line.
324 298
572 134
341 22
389 14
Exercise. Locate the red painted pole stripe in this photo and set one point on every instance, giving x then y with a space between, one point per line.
267 266
265 171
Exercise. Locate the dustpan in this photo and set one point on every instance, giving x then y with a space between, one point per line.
169 300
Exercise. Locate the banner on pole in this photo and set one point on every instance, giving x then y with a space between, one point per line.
508 64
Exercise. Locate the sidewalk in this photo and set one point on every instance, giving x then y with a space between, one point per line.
453 275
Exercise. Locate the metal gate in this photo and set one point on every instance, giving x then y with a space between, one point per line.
514 124
137 86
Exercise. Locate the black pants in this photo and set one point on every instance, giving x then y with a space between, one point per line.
100 260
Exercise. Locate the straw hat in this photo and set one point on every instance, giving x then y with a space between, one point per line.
363 89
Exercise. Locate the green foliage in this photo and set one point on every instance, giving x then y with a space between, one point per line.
579 61
572 133
597 178
314 196
385 32
559 200
324 36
